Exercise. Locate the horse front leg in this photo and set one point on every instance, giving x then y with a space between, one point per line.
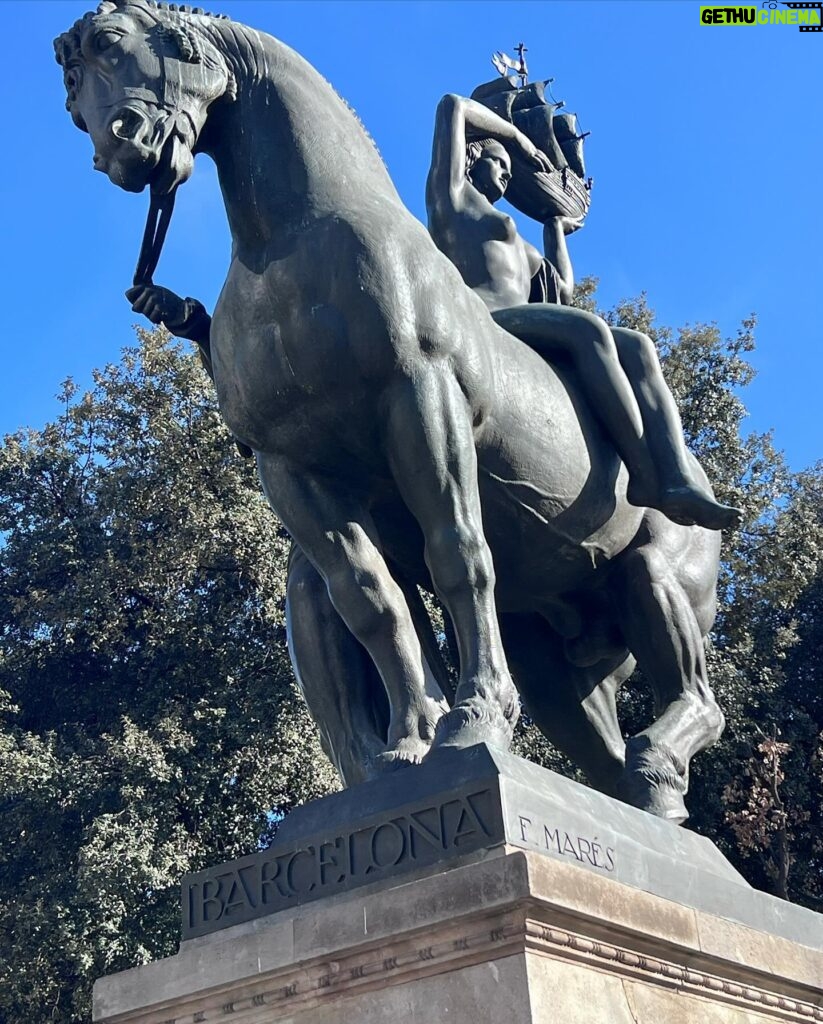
338 536
429 439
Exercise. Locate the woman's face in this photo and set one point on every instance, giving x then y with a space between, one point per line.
491 172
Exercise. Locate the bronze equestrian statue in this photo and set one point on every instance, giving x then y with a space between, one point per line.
386 410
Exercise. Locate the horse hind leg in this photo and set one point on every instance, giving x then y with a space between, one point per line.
572 705
340 685
665 628
340 539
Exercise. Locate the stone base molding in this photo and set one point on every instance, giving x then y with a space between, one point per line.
505 936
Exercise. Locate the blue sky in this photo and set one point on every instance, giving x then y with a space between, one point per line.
706 151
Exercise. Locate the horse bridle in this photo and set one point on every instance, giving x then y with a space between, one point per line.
154 235
160 206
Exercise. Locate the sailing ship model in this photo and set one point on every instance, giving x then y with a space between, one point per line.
565 190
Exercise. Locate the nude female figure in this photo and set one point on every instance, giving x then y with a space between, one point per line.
618 369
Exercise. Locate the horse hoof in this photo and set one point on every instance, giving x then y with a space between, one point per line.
472 722
660 800
391 761
407 752
655 780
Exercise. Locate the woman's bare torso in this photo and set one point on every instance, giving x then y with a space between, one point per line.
484 245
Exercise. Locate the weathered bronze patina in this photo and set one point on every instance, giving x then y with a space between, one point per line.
401 434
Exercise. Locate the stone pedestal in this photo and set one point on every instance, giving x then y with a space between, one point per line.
546 914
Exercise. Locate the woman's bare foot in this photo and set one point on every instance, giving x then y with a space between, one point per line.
689 505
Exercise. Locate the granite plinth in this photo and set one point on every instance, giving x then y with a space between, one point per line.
512 936
467 802
473 889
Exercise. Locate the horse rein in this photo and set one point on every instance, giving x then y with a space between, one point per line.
157 224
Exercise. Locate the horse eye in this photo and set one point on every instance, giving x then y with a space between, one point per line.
103 40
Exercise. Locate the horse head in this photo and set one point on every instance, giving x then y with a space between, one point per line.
140 78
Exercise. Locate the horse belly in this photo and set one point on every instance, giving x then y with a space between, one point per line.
552 486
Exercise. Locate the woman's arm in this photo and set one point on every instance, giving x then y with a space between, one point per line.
457 122
557 253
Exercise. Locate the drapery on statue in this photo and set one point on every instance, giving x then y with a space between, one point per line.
384 407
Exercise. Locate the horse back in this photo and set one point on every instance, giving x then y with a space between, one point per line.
552 485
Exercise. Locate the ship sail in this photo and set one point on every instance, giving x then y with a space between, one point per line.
563 191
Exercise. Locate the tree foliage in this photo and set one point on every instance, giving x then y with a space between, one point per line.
148 720
759 792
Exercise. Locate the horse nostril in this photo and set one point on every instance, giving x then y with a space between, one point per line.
99 162
127 125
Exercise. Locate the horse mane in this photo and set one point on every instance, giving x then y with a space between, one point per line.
67 47
179 8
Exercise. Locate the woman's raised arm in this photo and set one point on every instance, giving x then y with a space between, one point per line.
457 122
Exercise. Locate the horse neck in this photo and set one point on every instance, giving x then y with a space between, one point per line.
288 149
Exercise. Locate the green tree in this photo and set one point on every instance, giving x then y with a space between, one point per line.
774 798
149 721
765 652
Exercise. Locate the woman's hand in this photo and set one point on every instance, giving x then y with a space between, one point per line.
571 224
533 156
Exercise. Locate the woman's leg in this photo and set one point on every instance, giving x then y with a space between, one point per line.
681 496
586 340
621 375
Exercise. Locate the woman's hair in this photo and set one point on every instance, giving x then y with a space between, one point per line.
474 150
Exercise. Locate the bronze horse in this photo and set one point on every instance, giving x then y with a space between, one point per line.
386 409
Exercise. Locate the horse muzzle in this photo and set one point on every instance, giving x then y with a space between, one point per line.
125 149
138 148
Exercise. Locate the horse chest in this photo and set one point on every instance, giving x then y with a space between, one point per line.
286 382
